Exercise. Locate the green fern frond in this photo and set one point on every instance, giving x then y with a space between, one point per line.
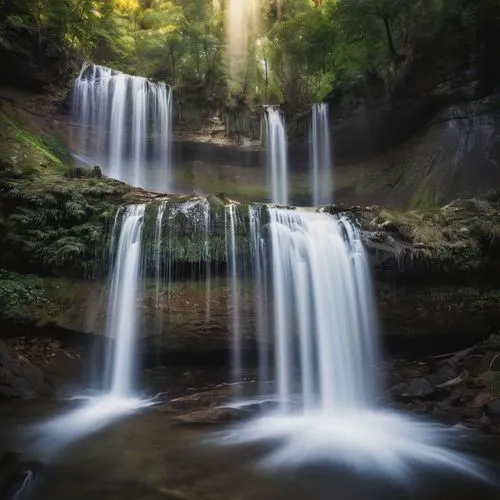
75 209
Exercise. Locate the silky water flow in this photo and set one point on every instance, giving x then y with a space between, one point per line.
120 396
325 339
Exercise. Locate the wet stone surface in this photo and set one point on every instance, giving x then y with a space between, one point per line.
464 386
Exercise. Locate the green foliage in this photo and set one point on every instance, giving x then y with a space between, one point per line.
48 221
464 235
299 51
17 292
180 42
304 51
311 51
47 149
73 23
57 148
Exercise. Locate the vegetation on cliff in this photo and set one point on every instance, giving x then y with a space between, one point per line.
303 51
58 220
463 236
50 220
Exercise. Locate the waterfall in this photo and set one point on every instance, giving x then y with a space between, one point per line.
258 252
122 324
175 221
323 312
322 325
54 435
158 250
125 125
232 263
208 273
320 156
277 154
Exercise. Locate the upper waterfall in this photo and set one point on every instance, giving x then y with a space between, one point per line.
321 155
277 154
125 126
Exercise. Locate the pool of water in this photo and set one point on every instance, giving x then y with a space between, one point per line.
147 455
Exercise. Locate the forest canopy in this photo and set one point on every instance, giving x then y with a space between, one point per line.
301 50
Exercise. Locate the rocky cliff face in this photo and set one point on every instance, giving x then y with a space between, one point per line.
431 138
435 276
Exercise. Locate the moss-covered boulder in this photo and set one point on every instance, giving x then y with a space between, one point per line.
461 237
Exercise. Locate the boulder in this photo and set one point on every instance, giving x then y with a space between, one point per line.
456 397
481 400
445 373
419 388
486 379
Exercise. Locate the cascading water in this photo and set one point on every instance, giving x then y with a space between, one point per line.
122 325
258 254
175 221
119 398
320 156
158 249
236 357
277 154
125 126
325 346
320 297
208 273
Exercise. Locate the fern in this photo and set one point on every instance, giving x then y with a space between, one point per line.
75 209
70 248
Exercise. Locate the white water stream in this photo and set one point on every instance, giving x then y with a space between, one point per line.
120 397
125 126
320 156
123 309
231 222
325 354
277 154
323 315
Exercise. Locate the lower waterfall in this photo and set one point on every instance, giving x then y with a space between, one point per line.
323 312
316 388
122 323
321 320
119 398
